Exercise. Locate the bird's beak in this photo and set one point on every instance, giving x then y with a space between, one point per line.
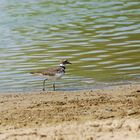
69 62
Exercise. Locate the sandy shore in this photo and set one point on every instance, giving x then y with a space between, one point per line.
104 114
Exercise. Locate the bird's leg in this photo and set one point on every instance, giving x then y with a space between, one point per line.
54 86
44 84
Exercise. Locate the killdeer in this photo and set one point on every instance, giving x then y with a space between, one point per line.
53 73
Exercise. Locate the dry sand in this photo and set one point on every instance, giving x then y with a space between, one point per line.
104 114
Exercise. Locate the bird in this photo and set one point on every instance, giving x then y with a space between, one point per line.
53 73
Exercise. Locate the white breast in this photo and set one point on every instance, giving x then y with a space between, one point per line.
59 75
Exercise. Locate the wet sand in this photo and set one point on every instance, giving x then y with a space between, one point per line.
105 114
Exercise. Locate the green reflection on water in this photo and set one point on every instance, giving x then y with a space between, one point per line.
101 39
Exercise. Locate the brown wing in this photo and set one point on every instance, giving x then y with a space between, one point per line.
49 71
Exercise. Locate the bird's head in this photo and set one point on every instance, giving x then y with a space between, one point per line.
64 62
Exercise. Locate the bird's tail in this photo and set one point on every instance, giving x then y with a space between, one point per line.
32 72
36 73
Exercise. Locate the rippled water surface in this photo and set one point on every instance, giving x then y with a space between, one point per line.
101 39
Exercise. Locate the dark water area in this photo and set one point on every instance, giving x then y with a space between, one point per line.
101 39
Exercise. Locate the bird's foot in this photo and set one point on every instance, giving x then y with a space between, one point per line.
53 87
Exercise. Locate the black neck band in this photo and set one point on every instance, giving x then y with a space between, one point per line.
62 67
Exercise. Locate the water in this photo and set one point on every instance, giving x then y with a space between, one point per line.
101 39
